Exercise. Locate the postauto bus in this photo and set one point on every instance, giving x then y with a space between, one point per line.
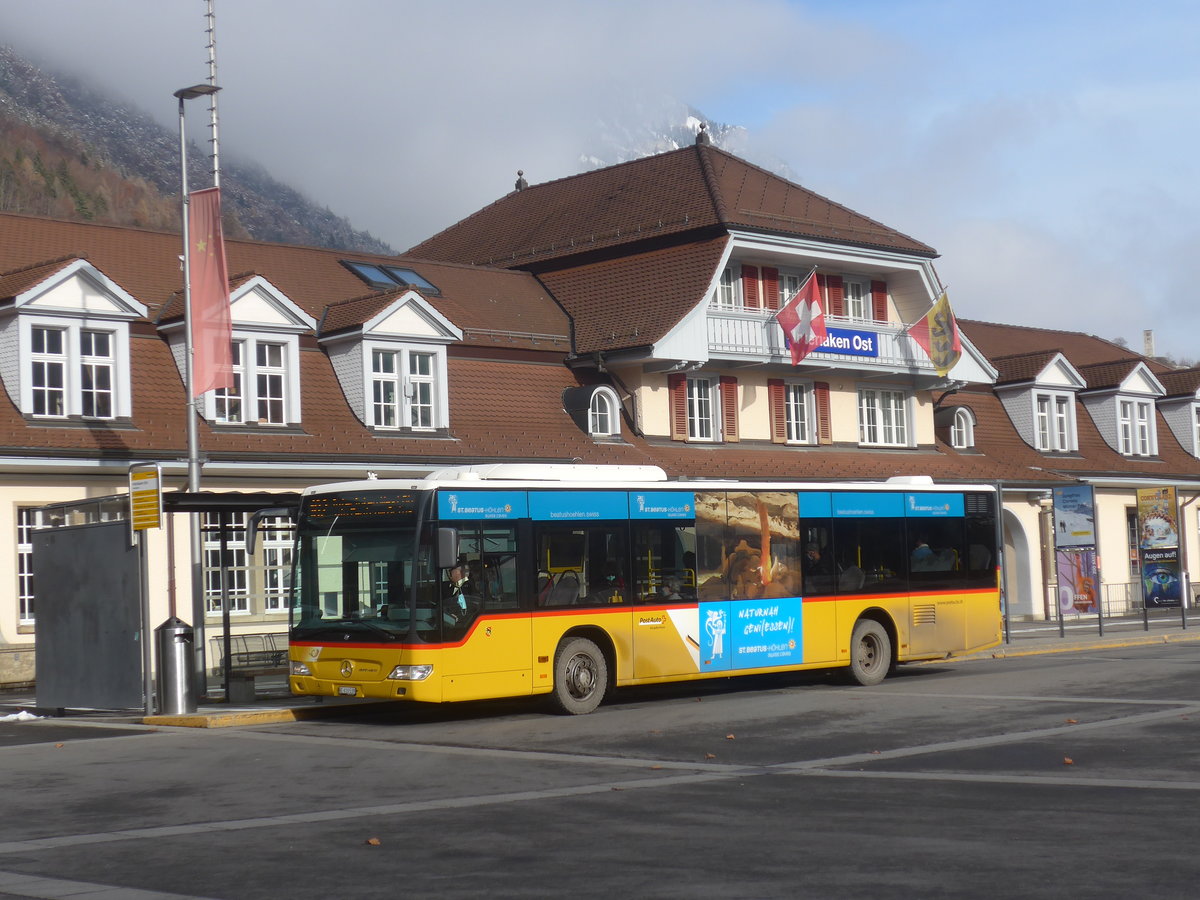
569 581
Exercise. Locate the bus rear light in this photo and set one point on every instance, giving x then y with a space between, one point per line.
410 673
299 668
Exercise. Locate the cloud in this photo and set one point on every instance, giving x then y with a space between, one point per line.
1054 155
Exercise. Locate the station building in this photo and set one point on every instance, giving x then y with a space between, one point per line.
624 315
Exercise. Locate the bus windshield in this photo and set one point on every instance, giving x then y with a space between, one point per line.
357 559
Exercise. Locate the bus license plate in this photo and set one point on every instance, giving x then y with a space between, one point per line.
348 691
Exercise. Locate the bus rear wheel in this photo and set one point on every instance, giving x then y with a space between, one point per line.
870 653
580 677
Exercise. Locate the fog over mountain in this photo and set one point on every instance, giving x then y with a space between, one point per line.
68 150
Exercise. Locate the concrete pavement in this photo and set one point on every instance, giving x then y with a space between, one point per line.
274 704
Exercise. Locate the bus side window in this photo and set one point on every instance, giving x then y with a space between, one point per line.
664 562
871 555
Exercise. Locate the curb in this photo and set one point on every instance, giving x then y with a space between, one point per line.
1068 646
239 717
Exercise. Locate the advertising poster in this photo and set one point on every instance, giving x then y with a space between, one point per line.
1074 516
1158 545
1077 580
1157 523
1161 584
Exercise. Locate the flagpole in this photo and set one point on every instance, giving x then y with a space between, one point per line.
193 440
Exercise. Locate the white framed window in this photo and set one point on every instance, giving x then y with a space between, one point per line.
407 386
419 389
603 413
1054 422
797 412
728 290
701 409
385 388
1135 431
265 387
882 417
789 284
96 373
857 292
48 371
275 537
28 518
1196 430
261 584
75 369
236 581
962 429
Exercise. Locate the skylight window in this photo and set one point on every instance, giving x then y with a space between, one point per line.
409 278
387 277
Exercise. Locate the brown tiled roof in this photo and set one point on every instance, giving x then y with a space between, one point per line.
1107 374
20 280
997 439
634 300
1021 366
995 341
693 189
1181 382
146 264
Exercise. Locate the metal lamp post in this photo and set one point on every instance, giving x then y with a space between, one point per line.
193 441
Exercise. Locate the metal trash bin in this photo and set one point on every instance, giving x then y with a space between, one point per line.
176 681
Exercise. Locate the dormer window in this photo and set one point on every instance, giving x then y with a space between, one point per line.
389 355
603 418
262 379
1136 433
1054 417
70 338
406 384
962 431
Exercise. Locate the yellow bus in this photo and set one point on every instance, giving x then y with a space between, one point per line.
568 581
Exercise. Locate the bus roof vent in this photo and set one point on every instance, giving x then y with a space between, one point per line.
910 479
550 472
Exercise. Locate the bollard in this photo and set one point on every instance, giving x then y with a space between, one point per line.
176 684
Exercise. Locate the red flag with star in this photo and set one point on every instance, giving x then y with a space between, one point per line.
803 320
212 326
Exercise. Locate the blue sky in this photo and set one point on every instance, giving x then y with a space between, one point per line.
1045 149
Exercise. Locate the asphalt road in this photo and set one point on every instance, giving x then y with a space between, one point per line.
1071 775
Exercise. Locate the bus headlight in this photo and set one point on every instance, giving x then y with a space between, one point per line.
299 668
410 673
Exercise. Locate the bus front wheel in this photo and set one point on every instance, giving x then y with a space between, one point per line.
580 677
870 653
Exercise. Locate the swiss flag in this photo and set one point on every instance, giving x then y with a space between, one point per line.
803 320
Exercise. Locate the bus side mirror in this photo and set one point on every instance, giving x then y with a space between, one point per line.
447 547
256 517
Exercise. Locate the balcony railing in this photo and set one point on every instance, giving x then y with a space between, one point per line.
754 334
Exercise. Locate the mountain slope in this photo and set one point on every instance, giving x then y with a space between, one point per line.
68 152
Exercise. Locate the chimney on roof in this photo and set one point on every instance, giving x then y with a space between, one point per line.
521 182
702 138
1148 342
